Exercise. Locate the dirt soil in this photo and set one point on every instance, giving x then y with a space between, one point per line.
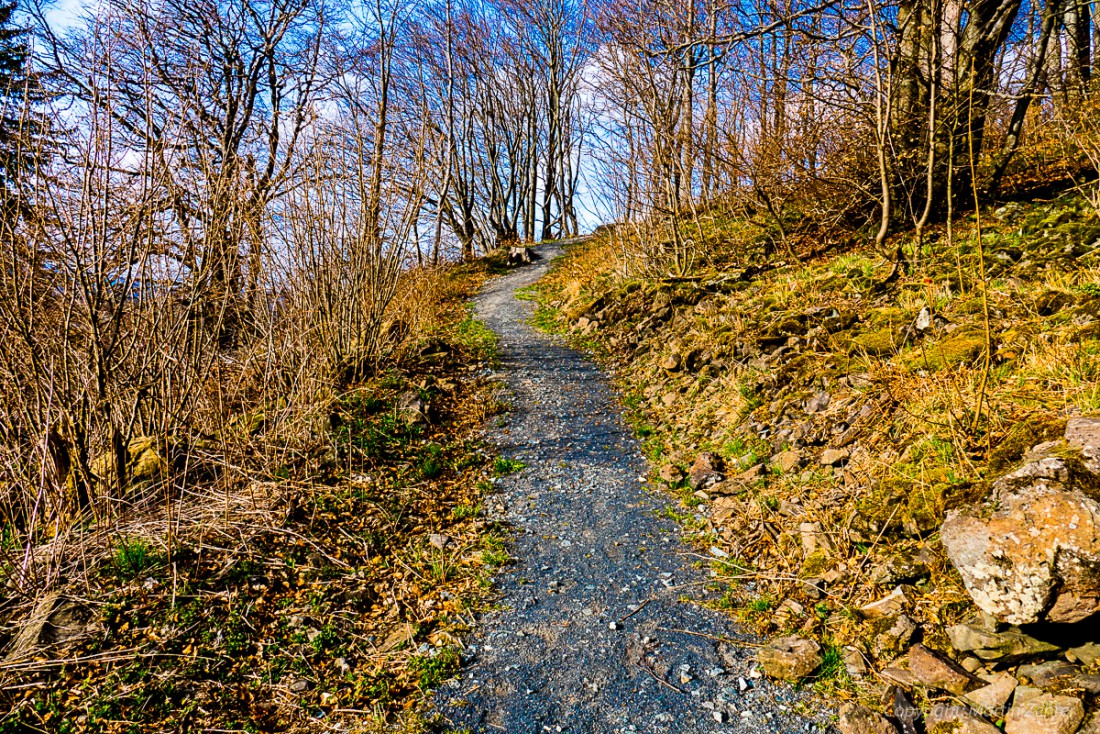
601 625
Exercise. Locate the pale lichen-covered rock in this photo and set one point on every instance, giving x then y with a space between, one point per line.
1047 714
1033 552
144 464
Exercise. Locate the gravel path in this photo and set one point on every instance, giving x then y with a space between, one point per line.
591 635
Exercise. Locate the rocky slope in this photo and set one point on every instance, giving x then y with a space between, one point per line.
820 424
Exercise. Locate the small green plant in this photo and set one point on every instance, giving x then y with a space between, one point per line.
465 511
832 673
493 552
431 670
134 556
502 467
431 461
760 605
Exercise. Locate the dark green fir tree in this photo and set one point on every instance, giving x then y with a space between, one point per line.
23 127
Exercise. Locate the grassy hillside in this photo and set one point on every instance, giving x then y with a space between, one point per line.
846 411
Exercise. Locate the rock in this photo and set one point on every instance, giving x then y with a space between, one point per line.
789 658
971 664
834 457
814 538
1012 644
1045 714
956 720
991 699
1034 553
1088 683
412 408
924 320
818 403
1084 434
934 671
787 461
1043 675
1091 725
670 474
1086 654
888 606
854 662
1024 694
891 642
787 613
704 471
144 465
790 509
856 719
900 568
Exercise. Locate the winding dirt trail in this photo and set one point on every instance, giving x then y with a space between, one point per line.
595 632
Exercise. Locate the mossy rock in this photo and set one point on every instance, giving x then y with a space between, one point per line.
1081 334
1034 430
901 505
879 343
1014 341
971 307
144 464
1051 302
965 345
815 564
890 316
799 370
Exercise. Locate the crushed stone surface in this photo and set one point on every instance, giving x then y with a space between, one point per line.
594 631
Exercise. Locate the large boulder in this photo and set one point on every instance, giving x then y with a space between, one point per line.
1032 551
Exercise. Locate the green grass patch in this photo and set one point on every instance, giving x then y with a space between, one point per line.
432 670
502 467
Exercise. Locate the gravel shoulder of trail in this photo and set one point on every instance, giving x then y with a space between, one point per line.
595 631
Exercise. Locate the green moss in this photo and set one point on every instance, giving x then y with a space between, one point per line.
902 504
876 343
891 316
964 346
815 564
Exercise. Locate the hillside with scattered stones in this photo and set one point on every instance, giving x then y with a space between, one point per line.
915 529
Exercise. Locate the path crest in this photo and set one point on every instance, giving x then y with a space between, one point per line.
587 637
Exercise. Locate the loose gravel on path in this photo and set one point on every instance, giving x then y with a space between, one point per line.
593 634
